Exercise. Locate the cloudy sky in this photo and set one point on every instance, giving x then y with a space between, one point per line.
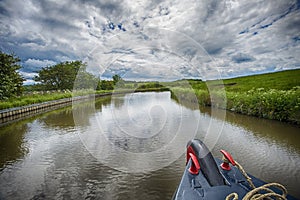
154 40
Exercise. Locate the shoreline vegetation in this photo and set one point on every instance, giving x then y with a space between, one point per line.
272 96
36 97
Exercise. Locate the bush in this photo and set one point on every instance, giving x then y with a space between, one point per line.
282 105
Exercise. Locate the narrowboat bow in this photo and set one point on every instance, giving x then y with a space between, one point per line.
209 178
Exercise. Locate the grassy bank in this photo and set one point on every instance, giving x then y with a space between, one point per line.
39 97
272 96
282 105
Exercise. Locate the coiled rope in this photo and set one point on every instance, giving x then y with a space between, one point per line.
256 193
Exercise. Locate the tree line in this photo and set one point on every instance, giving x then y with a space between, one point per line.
62 76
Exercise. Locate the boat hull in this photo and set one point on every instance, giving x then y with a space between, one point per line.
198 186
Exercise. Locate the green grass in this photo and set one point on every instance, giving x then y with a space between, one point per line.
36 97
32 99
272 96
284 80
282 105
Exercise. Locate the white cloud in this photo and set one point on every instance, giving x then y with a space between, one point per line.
27 75
29 82
240 37
39 63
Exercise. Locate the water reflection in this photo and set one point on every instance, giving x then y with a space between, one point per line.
280 133
13 142
43 157
139 132
54 119
283 134
12 145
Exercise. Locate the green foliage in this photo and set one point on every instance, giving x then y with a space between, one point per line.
118 81
33 98
282 105
105 85
272 96
196 84
10 80
116 78
192 95
149 85
284 80
43 96
63 75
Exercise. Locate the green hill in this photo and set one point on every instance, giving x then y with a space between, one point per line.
284 80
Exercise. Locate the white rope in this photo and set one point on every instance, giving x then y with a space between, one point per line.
256 193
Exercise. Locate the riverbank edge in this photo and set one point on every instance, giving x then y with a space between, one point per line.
235 102
203 99
17 113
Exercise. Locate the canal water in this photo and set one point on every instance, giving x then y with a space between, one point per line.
132 147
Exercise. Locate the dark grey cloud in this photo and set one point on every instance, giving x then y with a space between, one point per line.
3 10
110 8
240 58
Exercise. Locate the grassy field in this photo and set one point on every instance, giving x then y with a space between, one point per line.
284 80
272 96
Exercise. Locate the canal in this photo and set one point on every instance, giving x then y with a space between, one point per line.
132 147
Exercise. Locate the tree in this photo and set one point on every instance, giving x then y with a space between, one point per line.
105 85
63 75
10 80
118 81
116 78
